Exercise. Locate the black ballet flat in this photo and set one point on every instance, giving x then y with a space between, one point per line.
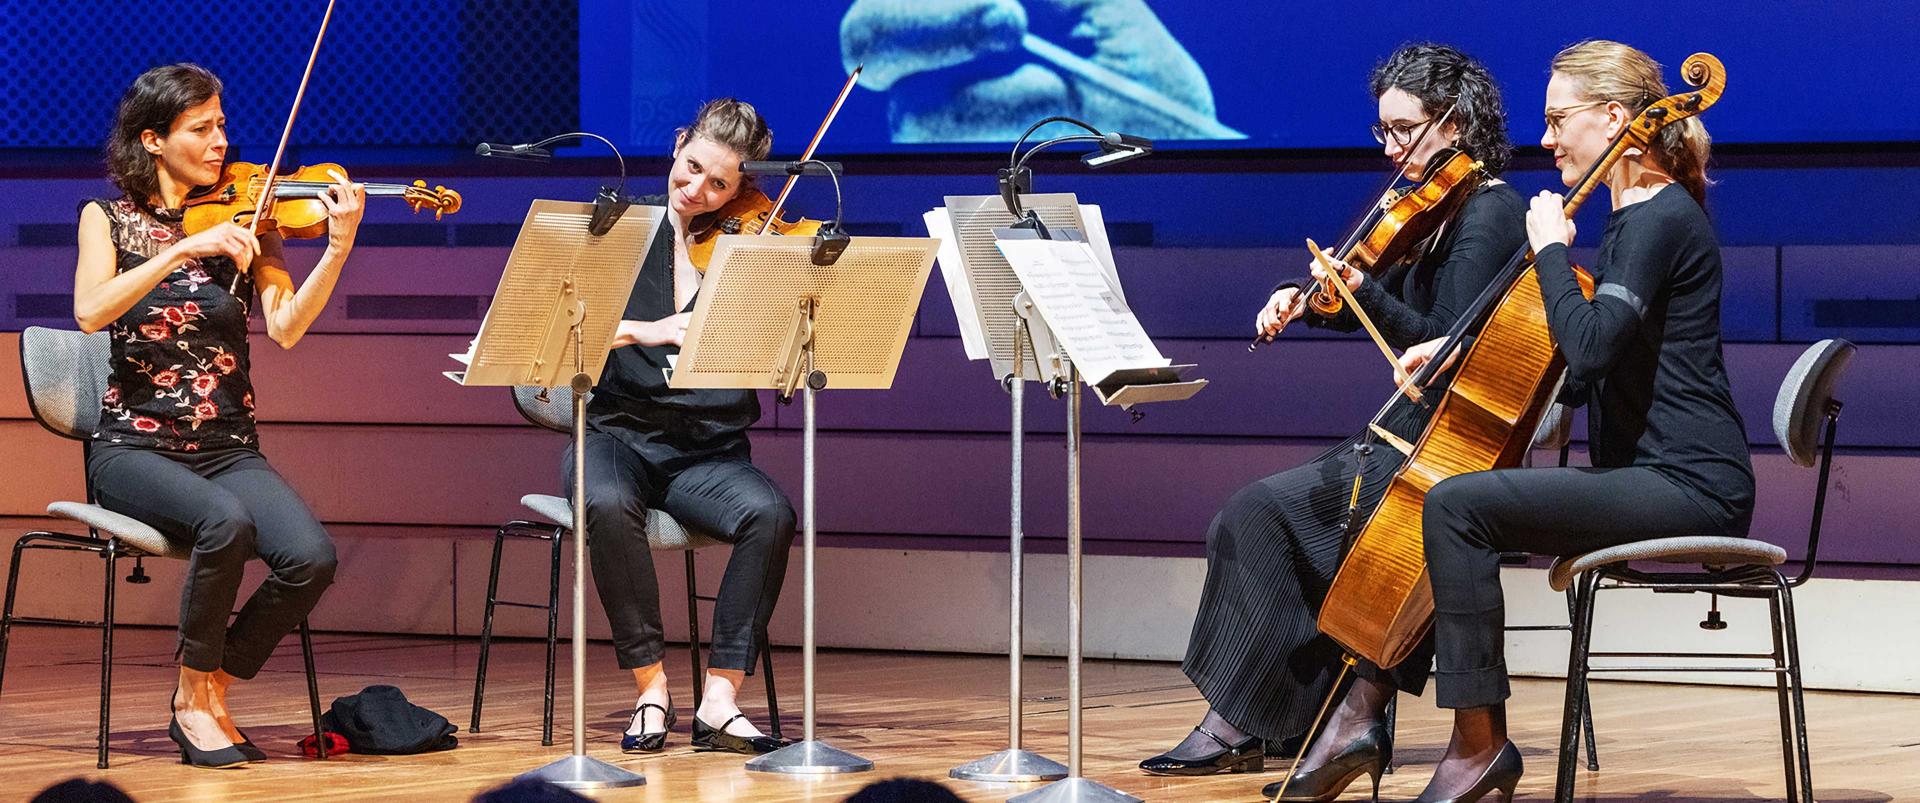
648 741
1500 776
221 758
247 748
1366 755
1247 756
707 737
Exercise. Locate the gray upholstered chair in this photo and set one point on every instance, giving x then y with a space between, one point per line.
66 374
553 409
1805 415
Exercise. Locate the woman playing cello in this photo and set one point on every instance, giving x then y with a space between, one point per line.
1669 451
1255 653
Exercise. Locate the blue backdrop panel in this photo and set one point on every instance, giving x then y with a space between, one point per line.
1285 74
400 72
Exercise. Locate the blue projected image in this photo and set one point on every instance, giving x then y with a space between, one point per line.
981 70
963 75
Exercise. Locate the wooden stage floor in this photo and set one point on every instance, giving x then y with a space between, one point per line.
913 714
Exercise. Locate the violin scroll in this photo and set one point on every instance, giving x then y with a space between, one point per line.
441 200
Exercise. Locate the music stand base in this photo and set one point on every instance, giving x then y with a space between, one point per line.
1010 766
809 758
584 772
1074 789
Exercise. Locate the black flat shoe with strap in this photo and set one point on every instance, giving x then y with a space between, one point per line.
706 737
1247 756
648 741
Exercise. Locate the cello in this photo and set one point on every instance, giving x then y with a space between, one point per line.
1380 604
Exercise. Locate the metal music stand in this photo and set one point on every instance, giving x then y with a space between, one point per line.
1021 349
767 317
551 322
1086 326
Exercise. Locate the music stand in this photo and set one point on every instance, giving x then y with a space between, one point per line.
995 313
551 322
767 317
1068 293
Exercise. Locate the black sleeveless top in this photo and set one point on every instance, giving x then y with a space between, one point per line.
669 427
179 356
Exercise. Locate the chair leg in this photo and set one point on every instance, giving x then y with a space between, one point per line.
6 614
313 691
112 556
773 698
486 631
693 632
1586 703
1576 685
1799 687
553 634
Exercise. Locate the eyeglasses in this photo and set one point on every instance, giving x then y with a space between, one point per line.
1558 117
1402 133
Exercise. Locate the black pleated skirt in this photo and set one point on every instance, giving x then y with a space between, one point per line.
1256 652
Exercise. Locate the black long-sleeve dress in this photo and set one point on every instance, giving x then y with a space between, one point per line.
1256 652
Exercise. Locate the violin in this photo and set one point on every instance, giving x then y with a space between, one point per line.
751 211
296 211
1403 219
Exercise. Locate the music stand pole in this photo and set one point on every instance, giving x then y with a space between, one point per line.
579 770
1014 765
808 756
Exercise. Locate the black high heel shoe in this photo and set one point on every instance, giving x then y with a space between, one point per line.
1502 775
1366 755
648 741
247 748
1247 756
707 737
220 758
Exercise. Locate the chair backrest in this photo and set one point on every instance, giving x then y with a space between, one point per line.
66 374
1805 395
1556 427
1804 404
553 410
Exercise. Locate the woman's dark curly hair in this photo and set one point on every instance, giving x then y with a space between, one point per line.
157 98
1444 78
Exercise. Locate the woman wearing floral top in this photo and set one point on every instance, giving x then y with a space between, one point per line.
176 446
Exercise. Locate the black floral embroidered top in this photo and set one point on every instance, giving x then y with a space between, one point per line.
179 377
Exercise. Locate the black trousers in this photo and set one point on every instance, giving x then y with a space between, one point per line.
1470 519
231 506
726 497
1256 652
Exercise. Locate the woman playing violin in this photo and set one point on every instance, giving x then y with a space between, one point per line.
176 446
1669 451
1255 652
686 453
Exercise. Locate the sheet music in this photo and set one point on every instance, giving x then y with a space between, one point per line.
972 335
981 214
1085 310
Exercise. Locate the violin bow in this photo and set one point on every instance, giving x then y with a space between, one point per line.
265 201
781 202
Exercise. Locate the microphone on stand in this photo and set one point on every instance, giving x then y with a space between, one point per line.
608 204
525 152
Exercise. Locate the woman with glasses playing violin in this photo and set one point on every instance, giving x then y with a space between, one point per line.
1255 652
176 447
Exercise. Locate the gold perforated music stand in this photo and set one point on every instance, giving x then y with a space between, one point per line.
551 322
768 318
